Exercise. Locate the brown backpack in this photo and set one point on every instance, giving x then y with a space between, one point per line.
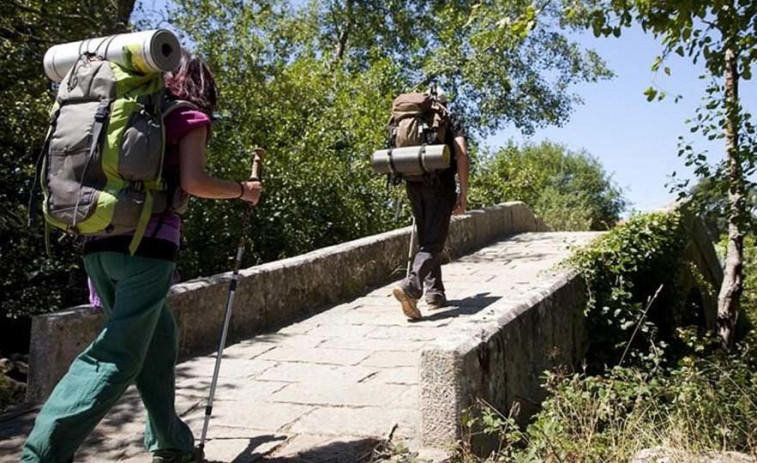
417 119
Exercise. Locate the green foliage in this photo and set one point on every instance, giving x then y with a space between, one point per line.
701 30
312 82
570 191
319 186
623 270
699 406
711 201
690 405
721 33
504 61
6 394
483 422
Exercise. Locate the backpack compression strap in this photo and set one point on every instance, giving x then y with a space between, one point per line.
144 217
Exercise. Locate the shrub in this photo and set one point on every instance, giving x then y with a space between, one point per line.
689 401
569 190
624 269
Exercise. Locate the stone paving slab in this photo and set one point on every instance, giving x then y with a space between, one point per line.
330 387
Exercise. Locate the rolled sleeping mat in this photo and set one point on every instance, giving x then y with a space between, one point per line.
411 160
146 52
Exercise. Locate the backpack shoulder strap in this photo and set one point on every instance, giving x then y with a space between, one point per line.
170 105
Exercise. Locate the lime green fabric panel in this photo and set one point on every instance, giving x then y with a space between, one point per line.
99 220
103 215
129 87
120 113
133 84
50 219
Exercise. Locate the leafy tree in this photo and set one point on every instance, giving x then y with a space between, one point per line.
569 190
711 199
505 61
313 83
722 33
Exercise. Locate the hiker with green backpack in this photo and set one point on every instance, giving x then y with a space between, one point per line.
424 119
124 152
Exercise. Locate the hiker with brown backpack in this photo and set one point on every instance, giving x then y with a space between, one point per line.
423 119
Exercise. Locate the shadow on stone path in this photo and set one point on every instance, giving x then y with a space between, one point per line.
336 451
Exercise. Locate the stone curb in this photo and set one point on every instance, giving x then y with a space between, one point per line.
503 359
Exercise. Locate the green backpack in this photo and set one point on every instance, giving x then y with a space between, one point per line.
101 170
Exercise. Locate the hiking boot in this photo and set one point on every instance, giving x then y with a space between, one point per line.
177 457
409 304
436 301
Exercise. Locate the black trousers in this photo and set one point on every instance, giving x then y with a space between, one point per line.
432 204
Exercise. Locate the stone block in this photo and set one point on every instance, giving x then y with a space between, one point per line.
348 395
237 390
368 422
245 450
441 394
396 375
235 418
56 339
318 373
388 359
502 359
318 355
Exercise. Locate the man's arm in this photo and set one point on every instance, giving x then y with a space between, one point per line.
463 171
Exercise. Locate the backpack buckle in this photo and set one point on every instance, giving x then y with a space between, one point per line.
102 112
137 185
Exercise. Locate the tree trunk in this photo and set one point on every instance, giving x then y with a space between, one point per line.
344 33
733 277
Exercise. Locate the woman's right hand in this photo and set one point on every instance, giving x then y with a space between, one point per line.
251 191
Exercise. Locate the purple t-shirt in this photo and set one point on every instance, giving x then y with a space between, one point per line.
178 124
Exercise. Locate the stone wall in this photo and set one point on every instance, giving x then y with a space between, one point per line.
700 252
502 362
269 296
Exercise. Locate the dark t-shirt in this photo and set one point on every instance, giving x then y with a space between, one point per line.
456 129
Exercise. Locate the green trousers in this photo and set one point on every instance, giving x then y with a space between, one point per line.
138 344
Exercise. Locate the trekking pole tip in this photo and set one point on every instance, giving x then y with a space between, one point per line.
199 454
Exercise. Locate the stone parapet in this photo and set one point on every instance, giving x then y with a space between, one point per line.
271 295
501 360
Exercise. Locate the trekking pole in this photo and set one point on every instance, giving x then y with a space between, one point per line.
257 160
410 250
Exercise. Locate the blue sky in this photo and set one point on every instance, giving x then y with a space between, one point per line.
635 140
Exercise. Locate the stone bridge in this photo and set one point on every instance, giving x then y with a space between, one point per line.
323 365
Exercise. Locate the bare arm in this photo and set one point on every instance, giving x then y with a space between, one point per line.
197 182
463 172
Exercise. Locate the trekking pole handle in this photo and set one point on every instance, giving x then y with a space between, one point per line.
257 164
